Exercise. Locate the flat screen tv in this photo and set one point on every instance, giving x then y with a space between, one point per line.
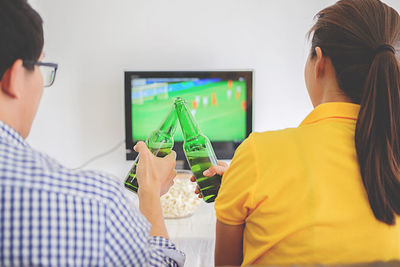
221 102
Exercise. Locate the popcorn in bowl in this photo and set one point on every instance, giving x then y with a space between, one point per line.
180 201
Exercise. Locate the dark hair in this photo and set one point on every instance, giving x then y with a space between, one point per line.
21 33
359 36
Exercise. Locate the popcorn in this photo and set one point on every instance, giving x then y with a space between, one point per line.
180 201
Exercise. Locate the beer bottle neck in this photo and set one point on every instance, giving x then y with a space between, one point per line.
190 129
168 126
166 130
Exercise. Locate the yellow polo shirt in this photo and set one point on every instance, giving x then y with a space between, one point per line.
300 195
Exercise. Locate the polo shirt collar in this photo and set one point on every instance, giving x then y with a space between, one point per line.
335 110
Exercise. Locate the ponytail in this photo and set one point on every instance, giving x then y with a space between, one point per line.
359 37
377 136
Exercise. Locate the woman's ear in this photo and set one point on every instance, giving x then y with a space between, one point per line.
12 81
319 63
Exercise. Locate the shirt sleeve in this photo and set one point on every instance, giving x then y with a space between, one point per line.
128 241
235 197
172 256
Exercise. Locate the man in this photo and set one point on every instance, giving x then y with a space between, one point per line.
54 216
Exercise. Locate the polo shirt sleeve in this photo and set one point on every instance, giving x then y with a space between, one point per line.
235 199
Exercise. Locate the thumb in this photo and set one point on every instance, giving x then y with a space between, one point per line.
140 146
222 163
142 149
171 156
213 170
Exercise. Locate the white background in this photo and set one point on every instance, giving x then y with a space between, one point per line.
94 41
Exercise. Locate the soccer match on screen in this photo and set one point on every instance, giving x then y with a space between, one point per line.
218 105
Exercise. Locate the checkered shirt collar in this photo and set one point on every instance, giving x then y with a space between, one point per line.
7 132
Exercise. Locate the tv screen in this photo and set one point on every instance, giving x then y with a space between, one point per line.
220 101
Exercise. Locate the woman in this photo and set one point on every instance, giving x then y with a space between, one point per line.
328 191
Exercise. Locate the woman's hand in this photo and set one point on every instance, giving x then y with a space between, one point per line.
154 174
219 169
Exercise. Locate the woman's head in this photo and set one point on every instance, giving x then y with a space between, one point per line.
360 37
353 33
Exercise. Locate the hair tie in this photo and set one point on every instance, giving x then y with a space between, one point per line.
383 48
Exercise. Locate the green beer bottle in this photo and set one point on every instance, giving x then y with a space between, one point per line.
199 152
159 142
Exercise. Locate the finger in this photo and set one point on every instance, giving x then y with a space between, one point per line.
192 179
222 163
211 171
220 170
140 146
171 156
198 192
172 175
208 172
142 149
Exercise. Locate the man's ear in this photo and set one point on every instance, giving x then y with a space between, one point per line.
319 63
12 80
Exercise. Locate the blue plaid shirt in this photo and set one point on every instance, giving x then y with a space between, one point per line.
54 216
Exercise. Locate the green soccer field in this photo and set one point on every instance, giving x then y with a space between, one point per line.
219 108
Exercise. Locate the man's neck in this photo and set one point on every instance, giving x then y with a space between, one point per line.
11 117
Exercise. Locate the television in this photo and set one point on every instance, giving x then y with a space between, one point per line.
221 102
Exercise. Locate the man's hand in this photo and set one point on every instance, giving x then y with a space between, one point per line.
219 169
154 174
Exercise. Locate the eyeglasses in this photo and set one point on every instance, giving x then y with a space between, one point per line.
48 71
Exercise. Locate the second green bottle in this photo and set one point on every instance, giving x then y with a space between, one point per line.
199 152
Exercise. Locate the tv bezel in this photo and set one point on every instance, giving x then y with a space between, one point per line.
223 150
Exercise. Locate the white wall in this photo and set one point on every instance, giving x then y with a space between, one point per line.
95 40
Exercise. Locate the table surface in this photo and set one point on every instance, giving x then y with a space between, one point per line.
195 235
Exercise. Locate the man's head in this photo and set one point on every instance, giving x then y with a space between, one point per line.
21 84
21 33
